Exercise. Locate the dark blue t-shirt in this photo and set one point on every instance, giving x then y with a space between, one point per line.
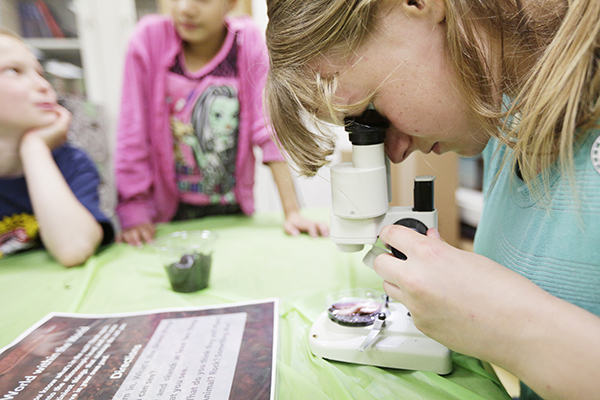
18 227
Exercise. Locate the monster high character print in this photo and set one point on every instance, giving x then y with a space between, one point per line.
205 125
215 120
204 112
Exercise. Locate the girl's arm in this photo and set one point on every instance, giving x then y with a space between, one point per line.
134 177
477 307
295 223
68 230
255 65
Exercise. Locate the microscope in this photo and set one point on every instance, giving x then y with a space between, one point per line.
364 326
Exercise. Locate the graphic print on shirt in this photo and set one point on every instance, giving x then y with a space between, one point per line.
205 127
595 154
215 120
17 232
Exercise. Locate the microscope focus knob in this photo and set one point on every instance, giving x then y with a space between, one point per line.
413 224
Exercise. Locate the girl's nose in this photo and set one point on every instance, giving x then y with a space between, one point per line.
185 6
43 84
40 83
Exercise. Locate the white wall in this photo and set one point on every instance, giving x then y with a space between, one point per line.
312 192
259 13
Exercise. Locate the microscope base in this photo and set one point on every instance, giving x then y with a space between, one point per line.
399 345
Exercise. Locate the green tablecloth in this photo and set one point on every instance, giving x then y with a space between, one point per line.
254 259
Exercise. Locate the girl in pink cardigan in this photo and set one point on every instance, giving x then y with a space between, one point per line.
191 113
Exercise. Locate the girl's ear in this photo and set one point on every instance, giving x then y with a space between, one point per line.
434 8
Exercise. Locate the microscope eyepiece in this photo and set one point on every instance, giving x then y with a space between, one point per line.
423 193
367 129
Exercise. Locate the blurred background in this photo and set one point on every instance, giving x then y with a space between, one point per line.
81 44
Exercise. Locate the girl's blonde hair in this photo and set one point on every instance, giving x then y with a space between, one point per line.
555 92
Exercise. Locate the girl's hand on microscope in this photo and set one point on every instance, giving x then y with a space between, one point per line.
477 307
465 301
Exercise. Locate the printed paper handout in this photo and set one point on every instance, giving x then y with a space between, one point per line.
223 352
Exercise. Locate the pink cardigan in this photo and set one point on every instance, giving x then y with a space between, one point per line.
144 161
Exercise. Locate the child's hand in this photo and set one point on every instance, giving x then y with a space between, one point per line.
296 224
55 133
138 235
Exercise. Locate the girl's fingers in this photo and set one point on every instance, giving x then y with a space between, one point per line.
323 229
393 291
434 233
401 238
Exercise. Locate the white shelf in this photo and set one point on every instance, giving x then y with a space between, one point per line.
68 50
64 49
54 44
50 49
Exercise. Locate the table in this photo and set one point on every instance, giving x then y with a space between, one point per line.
254 259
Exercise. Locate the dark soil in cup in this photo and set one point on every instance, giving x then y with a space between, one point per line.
191 273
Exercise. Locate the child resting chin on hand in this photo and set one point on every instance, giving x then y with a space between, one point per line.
48 189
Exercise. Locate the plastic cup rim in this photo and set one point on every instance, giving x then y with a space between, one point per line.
208 237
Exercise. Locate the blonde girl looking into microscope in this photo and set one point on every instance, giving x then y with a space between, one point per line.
517 81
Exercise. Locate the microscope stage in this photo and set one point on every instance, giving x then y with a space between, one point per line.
398 345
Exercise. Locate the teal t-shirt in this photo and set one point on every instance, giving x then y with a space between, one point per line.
554 242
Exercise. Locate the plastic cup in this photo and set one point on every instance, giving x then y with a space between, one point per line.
187 258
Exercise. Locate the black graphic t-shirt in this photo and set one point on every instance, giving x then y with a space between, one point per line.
204 110
18 226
